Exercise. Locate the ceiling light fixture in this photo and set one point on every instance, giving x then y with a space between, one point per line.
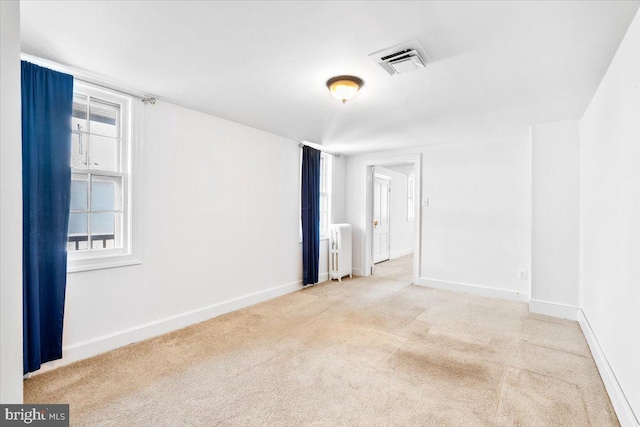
344 88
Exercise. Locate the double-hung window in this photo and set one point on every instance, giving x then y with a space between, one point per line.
325 194
101 218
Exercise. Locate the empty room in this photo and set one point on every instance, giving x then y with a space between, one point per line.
295 213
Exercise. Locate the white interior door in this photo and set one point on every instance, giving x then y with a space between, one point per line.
381 246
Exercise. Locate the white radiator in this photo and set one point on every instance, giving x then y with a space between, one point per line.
340 251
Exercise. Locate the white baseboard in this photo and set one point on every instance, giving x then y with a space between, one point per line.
473 289
399 254
84 350
623 409
323 277
553 309
356 271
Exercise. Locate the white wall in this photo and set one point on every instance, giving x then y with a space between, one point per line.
610 216
407 169
221 231
401 231
323 262
476 231
338 191
555 218
11 206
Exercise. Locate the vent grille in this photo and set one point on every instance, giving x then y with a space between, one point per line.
402 58
393 55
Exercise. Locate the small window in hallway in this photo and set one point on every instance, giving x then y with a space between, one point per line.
411 208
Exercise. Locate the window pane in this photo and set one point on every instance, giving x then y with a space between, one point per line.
104 154
79 119
106 193
324 228
323 202
78 226
79 148
106 230
105 118
79 192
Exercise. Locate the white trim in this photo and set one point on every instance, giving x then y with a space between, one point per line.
474 289
90 264
136 175
323 277
402 253
367 210
623 409
132 117
93 347
381 176
530 227
553 309
356 271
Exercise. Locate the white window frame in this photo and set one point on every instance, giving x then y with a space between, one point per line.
411 198
130 253
326 171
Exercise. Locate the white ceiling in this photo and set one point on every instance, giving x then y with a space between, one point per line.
496 68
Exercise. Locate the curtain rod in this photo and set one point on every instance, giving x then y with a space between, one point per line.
320 149
146 99
86 77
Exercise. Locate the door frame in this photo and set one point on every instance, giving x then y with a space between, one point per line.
389 181
367 209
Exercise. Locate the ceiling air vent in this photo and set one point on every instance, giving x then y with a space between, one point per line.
402 58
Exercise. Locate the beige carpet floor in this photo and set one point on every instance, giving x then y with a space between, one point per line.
365 352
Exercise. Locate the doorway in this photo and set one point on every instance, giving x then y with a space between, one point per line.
392 215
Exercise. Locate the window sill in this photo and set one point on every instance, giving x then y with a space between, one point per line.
76 266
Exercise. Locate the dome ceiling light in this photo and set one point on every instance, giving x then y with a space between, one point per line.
344 88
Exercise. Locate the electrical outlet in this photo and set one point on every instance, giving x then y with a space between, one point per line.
523 275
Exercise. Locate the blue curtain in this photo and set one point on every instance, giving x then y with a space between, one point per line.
310 215
47 101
